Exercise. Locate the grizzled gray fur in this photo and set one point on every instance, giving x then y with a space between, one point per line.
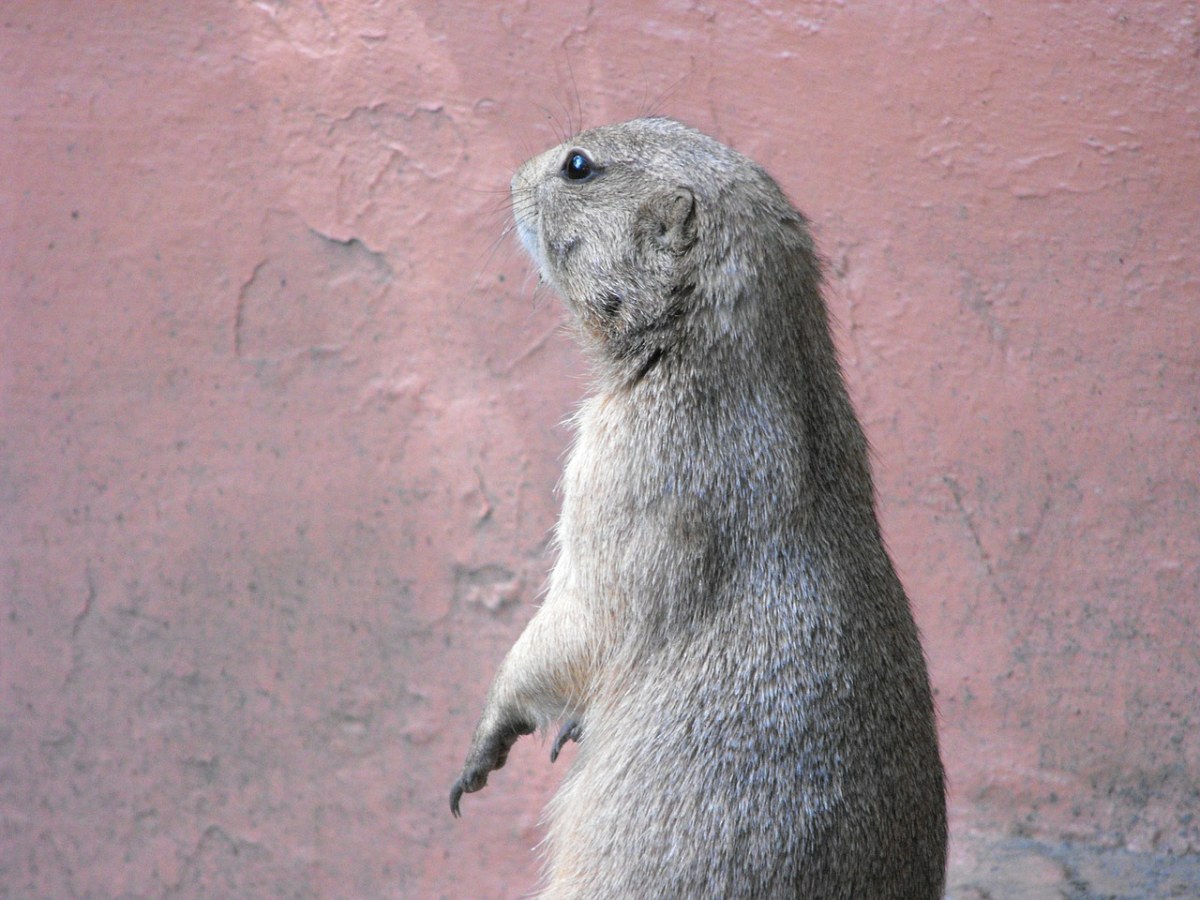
723 632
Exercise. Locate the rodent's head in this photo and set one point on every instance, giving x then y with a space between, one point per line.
627 221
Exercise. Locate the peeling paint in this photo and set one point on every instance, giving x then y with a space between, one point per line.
492 587
310 293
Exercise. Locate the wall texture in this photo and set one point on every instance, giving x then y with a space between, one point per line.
280 413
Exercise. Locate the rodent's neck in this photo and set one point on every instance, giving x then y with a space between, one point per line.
749 382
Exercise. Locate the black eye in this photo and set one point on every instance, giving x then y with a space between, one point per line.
578 167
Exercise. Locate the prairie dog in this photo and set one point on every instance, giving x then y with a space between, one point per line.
723 631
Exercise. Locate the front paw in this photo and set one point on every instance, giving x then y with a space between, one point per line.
489 751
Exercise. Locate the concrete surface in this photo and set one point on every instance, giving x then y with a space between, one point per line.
989 867
281 414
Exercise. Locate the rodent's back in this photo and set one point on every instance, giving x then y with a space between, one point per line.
757 714
762 719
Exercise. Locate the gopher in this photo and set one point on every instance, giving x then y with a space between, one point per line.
723 632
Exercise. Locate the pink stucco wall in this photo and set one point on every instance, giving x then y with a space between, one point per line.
280 409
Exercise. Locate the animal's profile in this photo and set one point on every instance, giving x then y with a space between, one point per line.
723 632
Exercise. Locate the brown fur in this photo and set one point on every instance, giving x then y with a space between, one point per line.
723 632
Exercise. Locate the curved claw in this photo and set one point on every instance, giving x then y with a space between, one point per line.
571 731
456 792
469 783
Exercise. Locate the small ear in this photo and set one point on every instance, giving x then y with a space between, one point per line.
669 219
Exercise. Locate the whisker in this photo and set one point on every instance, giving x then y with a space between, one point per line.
656 109
578 126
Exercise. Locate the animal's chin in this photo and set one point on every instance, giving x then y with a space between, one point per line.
527 232
532 243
